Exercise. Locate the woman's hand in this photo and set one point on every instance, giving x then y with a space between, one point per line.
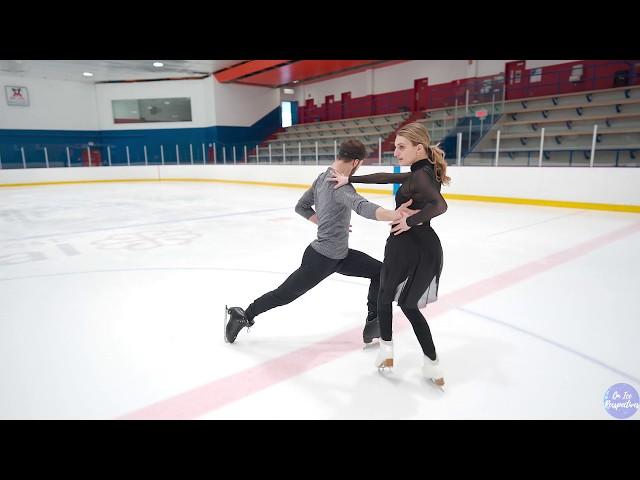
338 178
399 226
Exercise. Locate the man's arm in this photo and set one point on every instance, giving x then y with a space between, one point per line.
303 207
387 215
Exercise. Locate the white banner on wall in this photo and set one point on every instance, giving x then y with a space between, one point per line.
17 95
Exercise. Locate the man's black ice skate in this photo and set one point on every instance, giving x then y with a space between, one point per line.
237 321
371 328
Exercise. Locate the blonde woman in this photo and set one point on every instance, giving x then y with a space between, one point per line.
413 253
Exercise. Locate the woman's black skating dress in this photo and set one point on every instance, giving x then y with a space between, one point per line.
413 259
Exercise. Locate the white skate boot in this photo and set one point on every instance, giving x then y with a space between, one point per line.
385 355
431 369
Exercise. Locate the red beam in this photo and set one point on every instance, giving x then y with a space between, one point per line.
246 68
303 70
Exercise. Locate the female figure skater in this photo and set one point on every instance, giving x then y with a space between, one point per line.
413 253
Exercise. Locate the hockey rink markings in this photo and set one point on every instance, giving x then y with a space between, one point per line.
212 396
135 225
552 342
153 269
528 225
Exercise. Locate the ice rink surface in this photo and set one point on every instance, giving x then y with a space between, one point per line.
112 299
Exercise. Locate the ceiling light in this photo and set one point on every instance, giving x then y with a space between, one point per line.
158 64
87 74
296 81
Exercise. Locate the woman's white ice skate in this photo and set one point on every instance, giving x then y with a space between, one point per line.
431 369
385 355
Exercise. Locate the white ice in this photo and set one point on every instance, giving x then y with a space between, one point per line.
112 299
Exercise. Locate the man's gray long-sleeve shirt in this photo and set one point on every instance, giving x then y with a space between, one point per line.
333 207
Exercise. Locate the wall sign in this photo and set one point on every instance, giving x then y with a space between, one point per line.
17 95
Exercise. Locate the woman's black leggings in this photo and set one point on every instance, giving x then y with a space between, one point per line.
418 322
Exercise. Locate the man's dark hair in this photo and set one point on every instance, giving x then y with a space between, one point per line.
352 150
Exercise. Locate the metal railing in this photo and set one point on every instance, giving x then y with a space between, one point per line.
21 156
541 154
458 142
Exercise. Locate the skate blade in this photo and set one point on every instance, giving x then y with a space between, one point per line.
435 384
224 330
387 363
